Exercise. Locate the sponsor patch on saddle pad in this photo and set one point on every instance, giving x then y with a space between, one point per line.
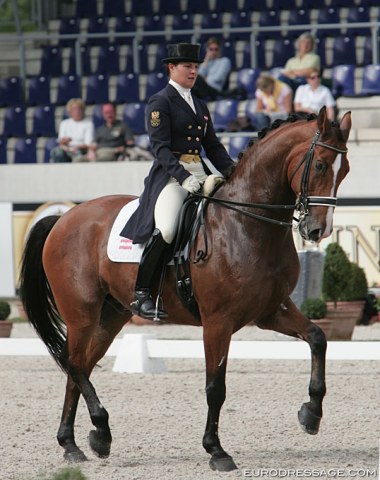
121 249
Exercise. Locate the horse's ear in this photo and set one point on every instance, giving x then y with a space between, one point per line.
323 121
345 125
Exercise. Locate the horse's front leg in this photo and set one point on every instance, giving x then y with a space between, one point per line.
216 344
290 321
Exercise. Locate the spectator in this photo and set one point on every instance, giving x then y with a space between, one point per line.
75 135
310 98
213 73
114 140
273 100
298 68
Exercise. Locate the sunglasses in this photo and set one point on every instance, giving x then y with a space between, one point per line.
213 49
313 77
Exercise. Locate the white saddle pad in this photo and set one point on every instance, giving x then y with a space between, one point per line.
121 249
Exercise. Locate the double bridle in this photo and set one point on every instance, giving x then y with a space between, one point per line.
303 201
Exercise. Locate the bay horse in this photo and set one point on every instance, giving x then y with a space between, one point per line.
78 300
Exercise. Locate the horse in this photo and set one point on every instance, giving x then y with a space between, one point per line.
78 300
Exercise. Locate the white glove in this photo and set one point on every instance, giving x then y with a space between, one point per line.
211 182
191 184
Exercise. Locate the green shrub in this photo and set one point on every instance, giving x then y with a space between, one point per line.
336 274
5 310
358 283
314 308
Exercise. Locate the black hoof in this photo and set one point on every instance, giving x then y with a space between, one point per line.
75 456
99 445
222 464
309 422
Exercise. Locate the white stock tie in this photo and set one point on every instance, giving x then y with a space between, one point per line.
190 101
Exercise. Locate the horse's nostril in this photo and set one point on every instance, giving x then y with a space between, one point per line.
315 234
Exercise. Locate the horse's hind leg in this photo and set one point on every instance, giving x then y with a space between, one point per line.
290 321
94 343
216 344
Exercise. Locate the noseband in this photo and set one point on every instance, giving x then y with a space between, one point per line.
304 200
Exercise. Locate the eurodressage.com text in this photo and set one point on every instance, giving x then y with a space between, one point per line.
308 473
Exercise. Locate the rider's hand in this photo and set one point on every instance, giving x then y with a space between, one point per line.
191 184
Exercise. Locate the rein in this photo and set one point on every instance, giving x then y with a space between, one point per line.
303 201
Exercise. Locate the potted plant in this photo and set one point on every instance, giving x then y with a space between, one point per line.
344 286
5 325
315 309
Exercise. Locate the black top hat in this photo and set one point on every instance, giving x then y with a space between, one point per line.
183 52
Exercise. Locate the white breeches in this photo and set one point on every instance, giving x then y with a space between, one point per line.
170 200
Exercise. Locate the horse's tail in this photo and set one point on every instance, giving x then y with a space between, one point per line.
36 294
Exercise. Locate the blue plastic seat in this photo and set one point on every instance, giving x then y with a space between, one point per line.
269 18
231 6
371 80
97 116
246 78
97 89
154 23
198 6
127 88
260 55
25 150
250 109
68 26
134 116
255 5
229 51
11 91
3 150
182 21
39 90
328 15
51 61
356 14
97 24
344 50
237 145
210 20
69 86
44 121
139 8
225 110
283 49
154 83
108 61
114 8
240 19
14 122
86 8
125 24
48 147
298 16
343 80
84 58
367 51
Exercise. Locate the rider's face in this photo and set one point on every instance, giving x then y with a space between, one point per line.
184 73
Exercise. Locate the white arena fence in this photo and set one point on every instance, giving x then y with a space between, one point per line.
144 353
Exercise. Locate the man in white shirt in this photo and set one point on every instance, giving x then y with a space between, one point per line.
75 135
310 98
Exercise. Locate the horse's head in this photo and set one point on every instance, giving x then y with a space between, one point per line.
316 179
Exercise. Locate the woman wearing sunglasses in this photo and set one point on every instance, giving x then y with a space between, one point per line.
310 98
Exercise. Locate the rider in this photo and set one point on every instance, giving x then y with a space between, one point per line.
179 126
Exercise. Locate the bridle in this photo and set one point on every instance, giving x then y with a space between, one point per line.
303 201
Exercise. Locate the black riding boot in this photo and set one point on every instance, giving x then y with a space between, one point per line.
153 256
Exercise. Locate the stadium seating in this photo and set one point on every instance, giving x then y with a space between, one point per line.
154 83
125 24
246 78
97 89
298 16
237 145
255 5
269 18
44 121
182 21
134 116
358 14
114 8
68 26
343 80
371 80
108 61
25 150
224 112
127 88
283 49
97 116
328 15
38 90
84 59
69 86
51 61
48 147
14 122
3 150
11 91
344 50
86 8
154 23
97 24
212 20
240 19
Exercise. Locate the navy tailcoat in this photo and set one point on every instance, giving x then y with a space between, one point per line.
173 129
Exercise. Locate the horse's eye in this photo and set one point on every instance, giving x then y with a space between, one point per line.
320 167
